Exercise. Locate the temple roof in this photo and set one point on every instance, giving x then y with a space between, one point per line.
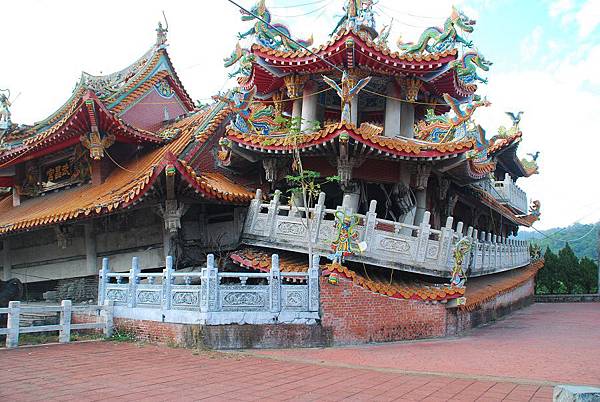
349 49
127 185
97 101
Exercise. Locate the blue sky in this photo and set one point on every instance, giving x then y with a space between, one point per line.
546 56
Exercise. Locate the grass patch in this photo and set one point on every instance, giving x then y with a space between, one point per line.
120 335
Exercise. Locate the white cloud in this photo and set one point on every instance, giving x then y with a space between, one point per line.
559 7
531 43
588 17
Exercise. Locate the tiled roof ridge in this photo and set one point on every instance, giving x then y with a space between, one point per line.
344 34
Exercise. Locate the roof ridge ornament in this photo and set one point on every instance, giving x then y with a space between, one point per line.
161 33
359 16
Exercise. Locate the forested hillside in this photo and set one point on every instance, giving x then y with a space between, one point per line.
583 239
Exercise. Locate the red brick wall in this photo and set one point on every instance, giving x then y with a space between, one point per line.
151 331
357 315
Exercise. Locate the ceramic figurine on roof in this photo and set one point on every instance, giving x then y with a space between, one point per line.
347 91
466 67
359 16
444 128
275 36
5 104
252 118
435 39
245 59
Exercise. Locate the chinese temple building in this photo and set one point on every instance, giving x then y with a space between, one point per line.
359 156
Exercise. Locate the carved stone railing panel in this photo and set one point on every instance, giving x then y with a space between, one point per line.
211 292
416 248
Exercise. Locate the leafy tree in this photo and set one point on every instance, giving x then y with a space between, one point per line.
565 273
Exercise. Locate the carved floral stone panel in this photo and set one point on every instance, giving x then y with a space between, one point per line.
395 245
186 298
243 299
148 297
291 228
117 295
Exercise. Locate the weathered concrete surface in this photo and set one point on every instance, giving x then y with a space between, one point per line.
573 393
126 371
544 342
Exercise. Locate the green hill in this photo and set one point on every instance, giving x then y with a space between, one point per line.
583 239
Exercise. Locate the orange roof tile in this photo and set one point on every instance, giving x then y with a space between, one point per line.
122 187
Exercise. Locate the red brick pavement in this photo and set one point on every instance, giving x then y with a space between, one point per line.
488 365
130 372
544 342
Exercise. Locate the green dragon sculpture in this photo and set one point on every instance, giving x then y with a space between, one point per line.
466 67
435 39
444 128
276 36
245 59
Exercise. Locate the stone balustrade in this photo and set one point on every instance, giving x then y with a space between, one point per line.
212 297
507 192
414 248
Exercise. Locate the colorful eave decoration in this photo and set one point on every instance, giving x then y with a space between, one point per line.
367 134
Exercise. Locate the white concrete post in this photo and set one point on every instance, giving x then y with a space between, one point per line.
424 232
475 246
108 313
313 284
350 202
12 324
134 280
212 283
64 335
446 243
459 230
167 283
271 225
102 281
370 223
275 284
253 211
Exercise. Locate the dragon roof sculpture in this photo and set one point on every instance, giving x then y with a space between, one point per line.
434 39
267 33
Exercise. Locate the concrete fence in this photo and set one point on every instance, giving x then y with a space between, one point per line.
212 297
14 329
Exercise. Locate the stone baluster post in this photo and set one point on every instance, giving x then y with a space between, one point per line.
313 284
446 244
134 280
108 315
12 324
167 283
210 286
275 284
271 225
370 223
253 212
476 260
102 281
318 216
64 335
424 232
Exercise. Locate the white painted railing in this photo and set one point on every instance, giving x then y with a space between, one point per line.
210 296
14 311
414 248
507 192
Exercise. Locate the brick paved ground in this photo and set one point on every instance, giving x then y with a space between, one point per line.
126 371
544 342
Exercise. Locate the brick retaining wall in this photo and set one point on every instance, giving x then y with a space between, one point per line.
356 315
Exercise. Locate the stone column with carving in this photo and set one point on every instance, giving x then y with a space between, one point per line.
411 89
